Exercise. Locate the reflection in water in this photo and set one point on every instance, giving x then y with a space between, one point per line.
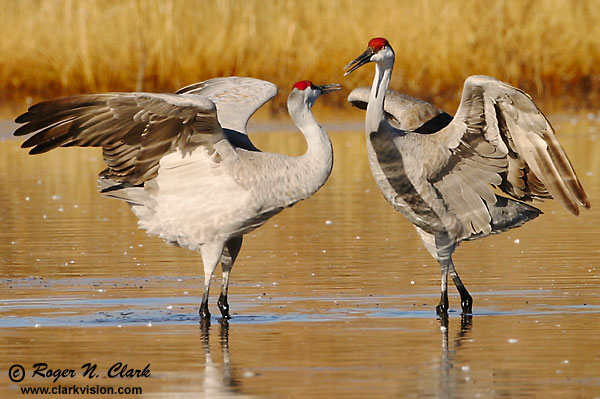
448 374
219 380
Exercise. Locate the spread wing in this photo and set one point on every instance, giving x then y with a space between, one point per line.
236 98
500 138
135 130
404 112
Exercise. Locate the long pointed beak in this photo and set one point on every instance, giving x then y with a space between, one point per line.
328 88
362 59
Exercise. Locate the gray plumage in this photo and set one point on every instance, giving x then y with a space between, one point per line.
444 173
184 162
403 111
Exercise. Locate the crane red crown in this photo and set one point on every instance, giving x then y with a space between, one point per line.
303 84
377 43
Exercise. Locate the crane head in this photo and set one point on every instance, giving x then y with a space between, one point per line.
311 91
379 49
307 92
307 84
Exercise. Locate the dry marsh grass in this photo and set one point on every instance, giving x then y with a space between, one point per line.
550 48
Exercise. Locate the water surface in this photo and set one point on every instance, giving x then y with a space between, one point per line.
334 297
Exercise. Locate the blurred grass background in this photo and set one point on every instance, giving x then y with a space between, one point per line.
49 48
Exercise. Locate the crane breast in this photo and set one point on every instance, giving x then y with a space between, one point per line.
196 200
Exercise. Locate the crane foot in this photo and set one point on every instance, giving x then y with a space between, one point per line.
466 302
442 308
203 312
224 306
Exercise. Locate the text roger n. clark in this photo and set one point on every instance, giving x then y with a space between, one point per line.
118 369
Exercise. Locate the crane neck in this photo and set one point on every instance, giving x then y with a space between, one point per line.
316 163
317 140
375 108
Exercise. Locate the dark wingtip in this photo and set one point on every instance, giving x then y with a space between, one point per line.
359 104
27 143
37 149
22 130
22 118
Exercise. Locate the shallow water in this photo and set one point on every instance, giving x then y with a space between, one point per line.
332 298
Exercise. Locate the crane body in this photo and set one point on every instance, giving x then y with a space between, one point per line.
443 173
185 164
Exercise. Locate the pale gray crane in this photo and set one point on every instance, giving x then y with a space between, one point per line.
442 173
185 164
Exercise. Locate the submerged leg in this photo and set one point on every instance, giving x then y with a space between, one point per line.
230 253
444 248
211 253
466 302
442 308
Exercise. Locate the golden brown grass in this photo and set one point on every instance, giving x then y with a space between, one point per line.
550 48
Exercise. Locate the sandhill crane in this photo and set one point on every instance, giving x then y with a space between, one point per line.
184 163
441 172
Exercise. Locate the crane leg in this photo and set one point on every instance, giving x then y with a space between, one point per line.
441 247
211 253
442 308
444 247
466 302
230 253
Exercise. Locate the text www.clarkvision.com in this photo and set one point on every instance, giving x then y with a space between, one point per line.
81 390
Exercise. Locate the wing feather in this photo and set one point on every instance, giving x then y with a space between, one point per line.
236 98
403 111
499 138
135 130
